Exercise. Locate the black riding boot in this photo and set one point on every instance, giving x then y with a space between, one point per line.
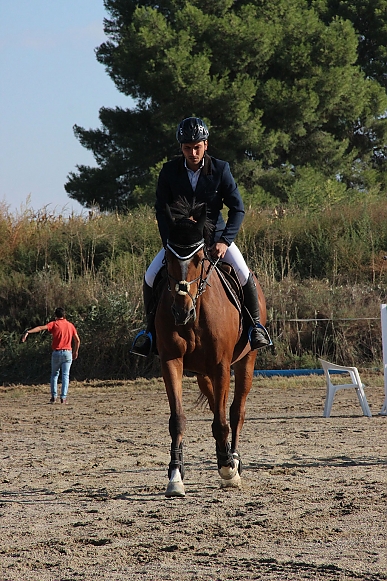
258 335
142 344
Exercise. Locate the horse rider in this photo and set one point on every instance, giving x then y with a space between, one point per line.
197 175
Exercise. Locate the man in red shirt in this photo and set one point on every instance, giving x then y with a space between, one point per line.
64 335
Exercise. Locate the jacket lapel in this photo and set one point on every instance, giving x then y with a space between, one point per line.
205 177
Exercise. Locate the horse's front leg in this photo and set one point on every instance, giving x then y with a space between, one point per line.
172 371
227 463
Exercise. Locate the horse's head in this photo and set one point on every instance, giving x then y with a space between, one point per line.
185 257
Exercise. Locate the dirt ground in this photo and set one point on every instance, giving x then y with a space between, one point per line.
82 486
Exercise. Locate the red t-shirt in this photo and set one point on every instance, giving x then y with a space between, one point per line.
62 332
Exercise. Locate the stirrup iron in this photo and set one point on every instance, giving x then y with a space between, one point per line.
146 335
264 332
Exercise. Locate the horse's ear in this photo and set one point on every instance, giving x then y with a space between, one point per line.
169 216
202 217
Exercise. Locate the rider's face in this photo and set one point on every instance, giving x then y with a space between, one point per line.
193 153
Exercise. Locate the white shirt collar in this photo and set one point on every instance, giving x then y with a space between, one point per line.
193 176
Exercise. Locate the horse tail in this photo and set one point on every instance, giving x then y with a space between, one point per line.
201 402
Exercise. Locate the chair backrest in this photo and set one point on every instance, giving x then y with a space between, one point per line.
333 368
332 388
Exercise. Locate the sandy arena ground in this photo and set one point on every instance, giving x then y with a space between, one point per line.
82 487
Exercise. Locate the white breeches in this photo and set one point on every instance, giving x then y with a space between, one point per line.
233 256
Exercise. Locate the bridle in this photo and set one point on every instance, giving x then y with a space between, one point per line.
182 287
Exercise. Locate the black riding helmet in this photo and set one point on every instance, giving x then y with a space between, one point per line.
192 129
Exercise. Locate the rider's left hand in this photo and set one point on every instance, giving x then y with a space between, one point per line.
218 250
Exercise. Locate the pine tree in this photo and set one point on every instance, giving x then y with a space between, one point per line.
280 83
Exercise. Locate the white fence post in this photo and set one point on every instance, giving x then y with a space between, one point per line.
383 314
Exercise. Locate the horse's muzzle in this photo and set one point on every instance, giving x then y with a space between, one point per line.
182 315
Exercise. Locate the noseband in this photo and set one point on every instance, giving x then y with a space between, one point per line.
182 286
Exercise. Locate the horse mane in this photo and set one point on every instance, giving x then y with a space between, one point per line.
186 214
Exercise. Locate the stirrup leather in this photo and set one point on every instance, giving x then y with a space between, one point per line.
146 335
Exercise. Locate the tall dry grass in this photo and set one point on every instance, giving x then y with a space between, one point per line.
323 274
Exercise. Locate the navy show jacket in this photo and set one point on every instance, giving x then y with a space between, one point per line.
216 187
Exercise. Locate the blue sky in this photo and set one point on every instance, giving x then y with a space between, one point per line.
50 80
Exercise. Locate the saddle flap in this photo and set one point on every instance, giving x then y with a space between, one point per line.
231 283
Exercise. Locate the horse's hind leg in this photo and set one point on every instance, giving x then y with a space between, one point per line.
206 387
227 466
244 372
172 374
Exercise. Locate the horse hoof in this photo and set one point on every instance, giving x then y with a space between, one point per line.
230 476
175 489
234 482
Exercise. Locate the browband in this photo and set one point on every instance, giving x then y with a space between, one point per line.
197 246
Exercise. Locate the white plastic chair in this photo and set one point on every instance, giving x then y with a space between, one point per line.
332 388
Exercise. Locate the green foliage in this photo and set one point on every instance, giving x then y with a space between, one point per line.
145 194
369 21
284 87
314 190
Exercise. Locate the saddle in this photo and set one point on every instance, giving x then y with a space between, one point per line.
235 293
231 284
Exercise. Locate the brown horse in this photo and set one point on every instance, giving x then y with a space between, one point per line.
198 328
